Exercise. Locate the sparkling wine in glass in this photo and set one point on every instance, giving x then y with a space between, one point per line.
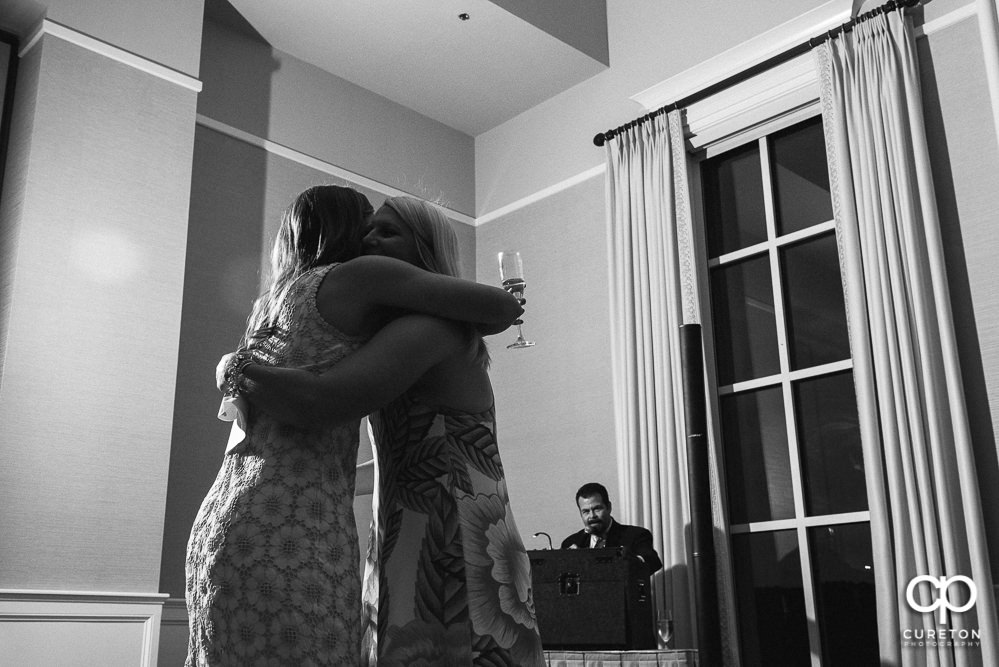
512 278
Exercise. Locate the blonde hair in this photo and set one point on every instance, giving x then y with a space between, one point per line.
437 248
436 241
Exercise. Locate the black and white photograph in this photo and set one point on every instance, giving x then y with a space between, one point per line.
499 333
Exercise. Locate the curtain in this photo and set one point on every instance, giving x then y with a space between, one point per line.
652 293
926 514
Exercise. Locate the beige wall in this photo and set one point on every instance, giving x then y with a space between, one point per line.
94 215
553 401
650 41
275 96
100 204
965 165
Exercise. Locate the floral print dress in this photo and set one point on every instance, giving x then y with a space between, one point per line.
447 579
273 563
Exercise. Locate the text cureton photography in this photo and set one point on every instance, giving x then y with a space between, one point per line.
939 599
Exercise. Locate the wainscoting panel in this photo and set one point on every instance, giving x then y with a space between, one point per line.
80 629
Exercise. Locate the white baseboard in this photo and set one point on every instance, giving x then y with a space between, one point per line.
39 627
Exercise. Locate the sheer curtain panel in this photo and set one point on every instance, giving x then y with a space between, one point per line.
926 515
652 294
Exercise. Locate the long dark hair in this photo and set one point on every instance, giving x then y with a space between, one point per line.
321 226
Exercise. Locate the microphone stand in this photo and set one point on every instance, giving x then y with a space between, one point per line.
546 535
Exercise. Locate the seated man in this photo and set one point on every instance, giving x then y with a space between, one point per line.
601 531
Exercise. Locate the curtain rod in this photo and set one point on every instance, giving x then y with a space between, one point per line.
750 72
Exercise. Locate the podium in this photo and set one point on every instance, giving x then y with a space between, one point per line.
592 599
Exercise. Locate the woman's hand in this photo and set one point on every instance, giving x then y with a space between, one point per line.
289 395
256 339
495 328
220 381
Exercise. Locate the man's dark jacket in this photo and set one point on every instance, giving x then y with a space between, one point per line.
637 541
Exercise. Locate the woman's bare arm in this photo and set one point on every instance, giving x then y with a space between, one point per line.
386 366
392 283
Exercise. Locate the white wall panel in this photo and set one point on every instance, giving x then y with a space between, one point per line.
79 629
965 164
94 304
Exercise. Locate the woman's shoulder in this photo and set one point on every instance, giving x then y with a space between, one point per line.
361 277
341 281
306 284
313 276
339 302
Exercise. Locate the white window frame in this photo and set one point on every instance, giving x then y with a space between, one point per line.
785 378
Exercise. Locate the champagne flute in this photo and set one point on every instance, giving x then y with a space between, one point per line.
512 278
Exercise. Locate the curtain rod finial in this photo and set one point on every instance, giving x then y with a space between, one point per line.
599 139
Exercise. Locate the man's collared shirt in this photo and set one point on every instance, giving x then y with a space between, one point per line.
597 541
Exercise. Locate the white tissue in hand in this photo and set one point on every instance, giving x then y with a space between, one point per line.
230 407
233 409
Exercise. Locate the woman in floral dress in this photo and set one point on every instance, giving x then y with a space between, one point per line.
447 581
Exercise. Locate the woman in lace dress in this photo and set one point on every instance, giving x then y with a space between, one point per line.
447 579
272 565
272 545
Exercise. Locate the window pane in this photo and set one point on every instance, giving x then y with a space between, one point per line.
844 593
733 200
745 328
756 456
801 177
832 461
816 316
770 598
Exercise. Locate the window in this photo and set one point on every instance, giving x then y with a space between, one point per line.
788 427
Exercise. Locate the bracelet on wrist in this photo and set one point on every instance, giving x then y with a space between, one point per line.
234 370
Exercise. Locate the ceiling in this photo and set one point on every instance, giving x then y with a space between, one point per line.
472 75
